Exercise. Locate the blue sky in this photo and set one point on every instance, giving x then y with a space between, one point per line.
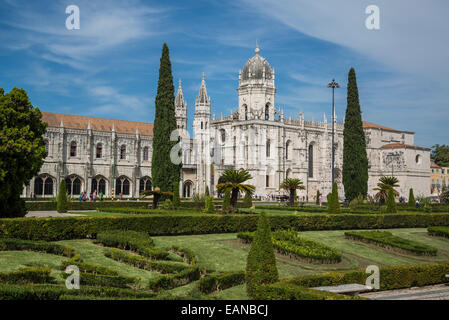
109 68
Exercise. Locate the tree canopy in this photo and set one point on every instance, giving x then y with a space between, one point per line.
233 182
22 149
440 155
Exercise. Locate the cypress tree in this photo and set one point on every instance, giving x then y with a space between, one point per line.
333 205
355 160
391 204
62 204
226 202
164 172
207 193
411 198
261 263
247 201
210 205
176 200
317 200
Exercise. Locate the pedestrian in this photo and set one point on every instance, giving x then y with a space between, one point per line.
94 195
321 200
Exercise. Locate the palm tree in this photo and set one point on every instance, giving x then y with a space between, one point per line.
291 185
233 181
385 184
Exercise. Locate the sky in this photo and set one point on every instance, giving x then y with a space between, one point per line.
109 67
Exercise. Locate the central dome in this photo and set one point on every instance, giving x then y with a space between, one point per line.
257 67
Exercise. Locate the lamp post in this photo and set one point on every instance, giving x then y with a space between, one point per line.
333 85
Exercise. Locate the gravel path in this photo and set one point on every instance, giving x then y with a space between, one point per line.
437 292
49 214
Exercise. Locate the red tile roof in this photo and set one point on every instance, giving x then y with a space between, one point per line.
400 145
370 125
97 124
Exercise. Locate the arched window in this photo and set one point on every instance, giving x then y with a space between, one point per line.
201 125
122 185
145 184
267 111
48 186
38 186
287 147
246 112
99 184
311 161
187 189
73 149
99 152
73 185
123 152
223 135
145 154
268 147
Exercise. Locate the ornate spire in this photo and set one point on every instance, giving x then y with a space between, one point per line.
179 101
202 96
257 50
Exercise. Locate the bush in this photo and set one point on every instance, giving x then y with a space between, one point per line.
218 281
89 268
199 200
391 203
210 206
8 244
53 229
439 231
226 202
167 205
176 200
289 243
261 262
333 204
411 199
387 239
144 263
62 205
247 201
392 277
188 255
170 281
139 242
95 279
27 275
288 291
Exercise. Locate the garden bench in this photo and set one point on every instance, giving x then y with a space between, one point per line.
350 289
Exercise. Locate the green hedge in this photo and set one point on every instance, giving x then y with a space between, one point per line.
129 210
289 243
27 275
188 255
170 281
80 227
56 292
392 277
387 239
89 268
144 263
289 291
8 244
218 281
92 279
439 231
136 241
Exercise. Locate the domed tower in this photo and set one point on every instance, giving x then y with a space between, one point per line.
181 109
256 89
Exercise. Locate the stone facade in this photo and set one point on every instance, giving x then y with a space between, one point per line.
256 137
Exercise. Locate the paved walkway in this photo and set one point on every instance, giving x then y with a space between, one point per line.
437 292
48 214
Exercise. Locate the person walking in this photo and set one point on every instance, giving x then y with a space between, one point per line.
94 195
321 200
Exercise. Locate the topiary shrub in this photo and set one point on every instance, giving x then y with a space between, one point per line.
176 200
167 205
226 202
62 205
210 205
391 204
333 205
207 193
261 262
318 194
411 199
247 201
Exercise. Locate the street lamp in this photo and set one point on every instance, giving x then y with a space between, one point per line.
333 85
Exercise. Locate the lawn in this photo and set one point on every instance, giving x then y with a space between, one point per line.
224 252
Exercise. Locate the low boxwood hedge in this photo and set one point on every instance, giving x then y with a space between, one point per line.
289 243
27 275
81 227
93 279
144 263
8 244
170 281
218 281
289 291
387 239
136 241
439 231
